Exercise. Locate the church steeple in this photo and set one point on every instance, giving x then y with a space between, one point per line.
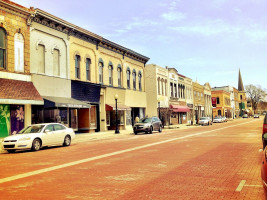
240 82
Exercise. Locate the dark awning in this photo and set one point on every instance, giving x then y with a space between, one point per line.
178 108
85 91
51 102
19 92
110 107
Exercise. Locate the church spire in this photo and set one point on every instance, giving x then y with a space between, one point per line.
240 82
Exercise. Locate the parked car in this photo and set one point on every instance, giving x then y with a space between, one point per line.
148 125
36 136
245 116
264 171
205 121
224 119
264 132
217 119
256 116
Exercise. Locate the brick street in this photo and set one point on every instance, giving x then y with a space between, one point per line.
221 161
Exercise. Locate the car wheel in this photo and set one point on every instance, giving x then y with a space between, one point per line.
36 145
67 141
151 130
11 151
160 129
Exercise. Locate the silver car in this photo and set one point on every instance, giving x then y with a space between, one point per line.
148 125
205 121
217 120
36 136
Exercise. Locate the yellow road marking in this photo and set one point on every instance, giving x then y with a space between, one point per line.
240 186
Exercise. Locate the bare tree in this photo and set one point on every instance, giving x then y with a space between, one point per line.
255 94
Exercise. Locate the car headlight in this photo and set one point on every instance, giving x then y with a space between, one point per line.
24 138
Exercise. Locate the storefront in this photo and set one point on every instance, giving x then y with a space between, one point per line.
59 109
89 93
178 114
16 98
123 113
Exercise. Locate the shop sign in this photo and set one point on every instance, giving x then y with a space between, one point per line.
213 102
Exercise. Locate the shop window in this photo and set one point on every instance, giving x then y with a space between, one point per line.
93 117
88 69
108 118
16 118
77 66
128 79
100 72
41 58
4 120
19 52
119 76
110 75
56 62
2 48
134 80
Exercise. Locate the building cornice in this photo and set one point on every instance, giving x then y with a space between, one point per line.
61 25
15 7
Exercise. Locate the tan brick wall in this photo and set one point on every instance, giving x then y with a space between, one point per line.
12 22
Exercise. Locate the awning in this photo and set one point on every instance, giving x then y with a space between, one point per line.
51 102
19 92
177 108
110 107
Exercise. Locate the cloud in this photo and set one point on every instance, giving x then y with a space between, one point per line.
173 16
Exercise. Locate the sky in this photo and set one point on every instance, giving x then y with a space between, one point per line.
207 40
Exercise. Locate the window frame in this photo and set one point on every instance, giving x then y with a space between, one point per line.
88 68
3 48
100 72
77 66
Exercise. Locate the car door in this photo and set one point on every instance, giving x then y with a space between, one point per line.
155 123
60 132
48 135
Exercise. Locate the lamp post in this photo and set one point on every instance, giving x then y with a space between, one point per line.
159 106
116 113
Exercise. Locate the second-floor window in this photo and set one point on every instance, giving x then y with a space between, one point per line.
128 79
110 74
171 89
218 100
119 76
100 71
88 69
77 66
2 48
19 52
134 80
56 62
140 81
175 90
41 58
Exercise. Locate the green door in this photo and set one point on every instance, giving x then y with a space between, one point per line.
4 120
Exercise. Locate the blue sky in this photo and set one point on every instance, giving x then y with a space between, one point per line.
207 40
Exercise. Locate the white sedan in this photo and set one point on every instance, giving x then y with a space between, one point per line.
36 136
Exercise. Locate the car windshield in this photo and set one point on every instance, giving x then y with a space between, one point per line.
204 118
32 129
146 120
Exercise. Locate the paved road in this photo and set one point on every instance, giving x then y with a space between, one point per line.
221 161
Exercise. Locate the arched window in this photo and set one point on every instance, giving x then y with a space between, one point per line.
134 79
100 72
56 60
110 74
41 58
77 66
119 75
19 52
128 72
2 48
140 80
219 112
88 69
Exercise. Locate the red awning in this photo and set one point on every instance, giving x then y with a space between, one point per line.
177 108
110 107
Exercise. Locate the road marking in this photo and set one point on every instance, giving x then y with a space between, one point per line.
240 186
40 171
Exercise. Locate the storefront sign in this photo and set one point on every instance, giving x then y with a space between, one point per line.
213 102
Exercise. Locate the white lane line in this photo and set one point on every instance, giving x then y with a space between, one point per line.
36 172
240 186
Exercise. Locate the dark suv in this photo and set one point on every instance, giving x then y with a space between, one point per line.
148 125
264 132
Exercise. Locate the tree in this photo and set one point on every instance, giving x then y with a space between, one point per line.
255 94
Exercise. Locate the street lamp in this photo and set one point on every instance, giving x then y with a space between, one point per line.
159 106
116 113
